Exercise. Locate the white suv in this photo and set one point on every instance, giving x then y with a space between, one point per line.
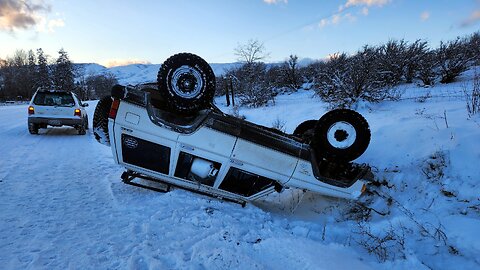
56 108
171 134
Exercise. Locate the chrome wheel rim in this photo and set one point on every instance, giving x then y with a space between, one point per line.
187 82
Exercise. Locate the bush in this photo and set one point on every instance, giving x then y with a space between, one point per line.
250 84
415 54
474 47
392 61
453 57
344 80
472 96
426 69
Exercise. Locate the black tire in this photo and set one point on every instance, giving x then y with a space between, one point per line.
305 130
86 122
81 130
32 128
186 82
341 135
100 120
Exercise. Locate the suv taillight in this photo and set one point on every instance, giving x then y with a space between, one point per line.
77 112
31 110
114 109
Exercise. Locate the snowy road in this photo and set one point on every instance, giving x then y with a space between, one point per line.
63 206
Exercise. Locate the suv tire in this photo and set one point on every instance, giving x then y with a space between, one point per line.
32 128
100 120
186 82
341 135
81 130
306 130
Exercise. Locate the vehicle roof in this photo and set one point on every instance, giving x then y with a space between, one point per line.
54 91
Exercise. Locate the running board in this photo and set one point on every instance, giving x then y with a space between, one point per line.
128 177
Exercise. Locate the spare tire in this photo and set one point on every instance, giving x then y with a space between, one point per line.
186 82
341 135
100 120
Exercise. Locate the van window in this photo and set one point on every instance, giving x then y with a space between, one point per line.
62 99
197 169
145 154
245 183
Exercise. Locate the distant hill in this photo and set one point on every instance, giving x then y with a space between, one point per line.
140 73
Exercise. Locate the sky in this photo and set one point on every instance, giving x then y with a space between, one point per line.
117 32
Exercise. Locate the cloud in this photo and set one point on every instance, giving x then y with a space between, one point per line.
472 19
425 16
336 19
124 62
368 3
48 26
21 14
365 11
270 2
351 3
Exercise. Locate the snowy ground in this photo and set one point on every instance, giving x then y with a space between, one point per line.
63 204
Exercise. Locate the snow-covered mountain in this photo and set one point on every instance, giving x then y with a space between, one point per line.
140 73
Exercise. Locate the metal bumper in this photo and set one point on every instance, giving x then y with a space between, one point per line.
55 121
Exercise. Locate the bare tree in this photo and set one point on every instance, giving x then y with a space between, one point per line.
101 84
291 71
3 64
16 76
251 85
251 52
250 82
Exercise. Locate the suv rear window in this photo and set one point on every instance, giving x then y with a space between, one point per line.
54 99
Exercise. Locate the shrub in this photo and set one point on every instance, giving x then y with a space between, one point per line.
453 58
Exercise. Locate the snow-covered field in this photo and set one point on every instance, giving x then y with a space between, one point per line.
63 204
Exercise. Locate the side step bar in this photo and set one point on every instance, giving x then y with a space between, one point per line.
128 177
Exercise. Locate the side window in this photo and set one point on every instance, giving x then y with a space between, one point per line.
244 183
145 154
196 169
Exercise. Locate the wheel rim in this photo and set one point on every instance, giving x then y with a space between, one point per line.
187 82
341 135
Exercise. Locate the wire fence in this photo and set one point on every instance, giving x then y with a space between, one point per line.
421 94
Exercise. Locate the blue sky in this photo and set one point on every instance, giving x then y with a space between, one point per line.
120 31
